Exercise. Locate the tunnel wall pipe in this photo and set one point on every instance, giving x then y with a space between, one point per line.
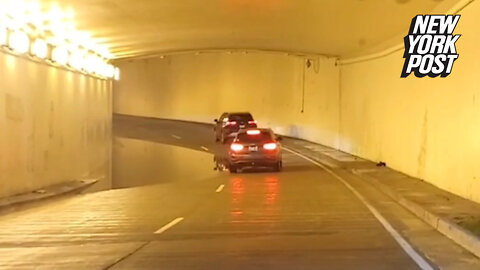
55 126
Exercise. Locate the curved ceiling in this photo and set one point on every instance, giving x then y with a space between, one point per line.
330 27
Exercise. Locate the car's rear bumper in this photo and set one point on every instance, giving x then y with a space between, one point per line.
247 160
232 134
228 131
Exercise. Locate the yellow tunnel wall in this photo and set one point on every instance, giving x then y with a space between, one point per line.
273 87
426 127
55 126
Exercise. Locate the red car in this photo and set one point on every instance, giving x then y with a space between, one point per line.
255 148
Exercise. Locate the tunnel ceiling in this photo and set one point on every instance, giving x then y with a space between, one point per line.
330 27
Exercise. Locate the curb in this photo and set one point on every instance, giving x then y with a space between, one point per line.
46 193
446 227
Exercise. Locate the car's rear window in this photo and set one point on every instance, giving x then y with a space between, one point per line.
240 117
262 137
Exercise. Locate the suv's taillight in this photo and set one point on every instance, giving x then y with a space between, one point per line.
253 132
270 146
236 147
252 122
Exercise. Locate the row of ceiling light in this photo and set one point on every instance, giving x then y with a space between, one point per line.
26 28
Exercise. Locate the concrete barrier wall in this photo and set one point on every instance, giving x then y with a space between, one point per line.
55 126
200 87
427 128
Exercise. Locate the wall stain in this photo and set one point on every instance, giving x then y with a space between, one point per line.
46 157
362 42
51 130
423 147
14 109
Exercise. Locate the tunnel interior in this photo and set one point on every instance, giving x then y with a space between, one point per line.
119 146
322 71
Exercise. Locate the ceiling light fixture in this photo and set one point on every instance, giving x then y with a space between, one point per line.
40 48
19 42
21 20
3 36
60 55
117 74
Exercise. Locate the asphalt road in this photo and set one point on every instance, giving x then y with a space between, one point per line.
195 218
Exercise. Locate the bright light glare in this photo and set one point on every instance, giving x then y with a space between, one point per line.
11 23
103 51
55 13
90 62
15 10
3 36
34 14
99 66
19 42
270 146
77 60
60 55
109 71
34 25
253 132
236 147
78 37
70 14
103 69
117 74
40 48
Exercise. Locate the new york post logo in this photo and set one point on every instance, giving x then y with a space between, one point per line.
430 46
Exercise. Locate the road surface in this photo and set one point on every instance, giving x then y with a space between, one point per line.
192 217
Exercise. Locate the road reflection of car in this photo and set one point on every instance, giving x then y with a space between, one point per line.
229 124
221 163
255 148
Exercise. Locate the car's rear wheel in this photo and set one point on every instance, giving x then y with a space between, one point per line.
233 168
278 166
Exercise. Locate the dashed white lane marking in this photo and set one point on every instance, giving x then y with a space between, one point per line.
220 188
176 137
204 148
169 225
417 258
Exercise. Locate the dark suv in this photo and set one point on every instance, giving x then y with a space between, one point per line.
229 124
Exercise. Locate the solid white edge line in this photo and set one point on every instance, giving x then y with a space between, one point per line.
204 148
176 137
220 188
169 225
416 257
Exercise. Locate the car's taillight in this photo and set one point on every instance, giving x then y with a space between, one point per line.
253 132
236 147
253 122
231 123
270 146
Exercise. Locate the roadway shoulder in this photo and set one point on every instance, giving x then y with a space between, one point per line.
453 216
50 192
